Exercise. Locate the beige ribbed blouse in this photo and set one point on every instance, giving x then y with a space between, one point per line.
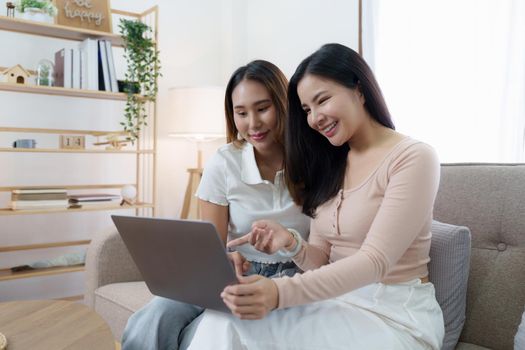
378 231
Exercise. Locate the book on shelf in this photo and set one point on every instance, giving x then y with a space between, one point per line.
63 68
38 196
83 68
39 204
90 49
111 66
103 69
94 204
59 68
39 190
98 197
75 75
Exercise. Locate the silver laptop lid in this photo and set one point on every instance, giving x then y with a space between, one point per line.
179 259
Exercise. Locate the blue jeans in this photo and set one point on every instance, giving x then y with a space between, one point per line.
159 325
272 270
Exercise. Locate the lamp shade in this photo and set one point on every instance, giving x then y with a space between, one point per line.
198 112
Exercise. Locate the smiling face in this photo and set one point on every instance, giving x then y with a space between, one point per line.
332 109
254 114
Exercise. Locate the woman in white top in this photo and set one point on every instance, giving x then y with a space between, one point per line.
241 184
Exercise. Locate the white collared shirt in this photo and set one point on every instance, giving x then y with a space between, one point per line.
231 178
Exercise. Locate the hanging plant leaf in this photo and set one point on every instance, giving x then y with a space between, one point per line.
141 76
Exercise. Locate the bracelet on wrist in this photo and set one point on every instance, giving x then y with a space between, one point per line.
298 243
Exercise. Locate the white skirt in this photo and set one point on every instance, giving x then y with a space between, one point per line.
379 316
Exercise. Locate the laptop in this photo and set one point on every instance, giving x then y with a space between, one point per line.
179 259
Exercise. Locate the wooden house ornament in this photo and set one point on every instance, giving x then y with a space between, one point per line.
16 74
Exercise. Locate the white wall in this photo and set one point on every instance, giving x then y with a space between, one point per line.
201 43
286 32
211 40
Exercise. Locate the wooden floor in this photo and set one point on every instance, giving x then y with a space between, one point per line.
54 324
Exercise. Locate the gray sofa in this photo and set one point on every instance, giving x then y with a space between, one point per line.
487 198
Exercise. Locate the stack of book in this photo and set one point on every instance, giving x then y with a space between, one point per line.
89 66
42 198
87 200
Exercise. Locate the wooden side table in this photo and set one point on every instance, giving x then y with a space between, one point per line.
53 324
190 207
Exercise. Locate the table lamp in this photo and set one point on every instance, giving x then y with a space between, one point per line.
199 117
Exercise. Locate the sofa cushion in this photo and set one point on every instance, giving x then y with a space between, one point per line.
519 340
118 301
468 346
448 271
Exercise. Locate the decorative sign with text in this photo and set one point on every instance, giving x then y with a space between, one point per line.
87 14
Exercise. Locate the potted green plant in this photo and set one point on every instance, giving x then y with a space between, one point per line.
143 69
37 10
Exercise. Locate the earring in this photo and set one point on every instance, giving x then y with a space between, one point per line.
239 136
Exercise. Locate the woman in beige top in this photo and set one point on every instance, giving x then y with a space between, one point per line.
370 192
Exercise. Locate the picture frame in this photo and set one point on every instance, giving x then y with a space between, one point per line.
86 14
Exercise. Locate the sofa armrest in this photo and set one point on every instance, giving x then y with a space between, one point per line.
107 261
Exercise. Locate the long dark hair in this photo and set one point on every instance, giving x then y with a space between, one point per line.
315 169
273 80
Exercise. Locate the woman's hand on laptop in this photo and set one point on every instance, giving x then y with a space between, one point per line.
240 263
253 298
266 236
